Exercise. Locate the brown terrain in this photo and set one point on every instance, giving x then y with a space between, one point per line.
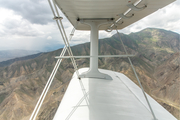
156 62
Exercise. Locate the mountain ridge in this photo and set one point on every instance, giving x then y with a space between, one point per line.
11 54
26 79
8 62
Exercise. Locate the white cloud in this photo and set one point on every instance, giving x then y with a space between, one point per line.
33 28
18 33
49 37
166 18
35 11
12 25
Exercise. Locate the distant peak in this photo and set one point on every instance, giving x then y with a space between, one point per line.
157 30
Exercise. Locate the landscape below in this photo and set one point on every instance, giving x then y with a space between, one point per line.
156 62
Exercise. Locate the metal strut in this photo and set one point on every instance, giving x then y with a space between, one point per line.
47 86
124 15
137 78
133 7
51 78
64 36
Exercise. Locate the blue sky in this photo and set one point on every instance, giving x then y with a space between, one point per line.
28 24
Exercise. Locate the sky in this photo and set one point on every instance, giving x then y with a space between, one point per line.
28 25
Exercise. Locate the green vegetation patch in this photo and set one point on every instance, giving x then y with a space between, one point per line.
153 39
2 97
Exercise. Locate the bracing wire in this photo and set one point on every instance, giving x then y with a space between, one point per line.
47 86
63 33
51 78
137 77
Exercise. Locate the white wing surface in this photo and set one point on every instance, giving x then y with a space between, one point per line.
100 99
91 9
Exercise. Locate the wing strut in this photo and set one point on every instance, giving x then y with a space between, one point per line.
63 33
133 7
124 15
137 78
51 78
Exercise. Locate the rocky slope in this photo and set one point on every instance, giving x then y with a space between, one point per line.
168 84
156 62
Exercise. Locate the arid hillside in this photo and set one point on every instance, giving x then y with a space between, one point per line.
157 62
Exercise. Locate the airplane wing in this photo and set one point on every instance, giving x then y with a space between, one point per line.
105 95
99 99
94 97
99 9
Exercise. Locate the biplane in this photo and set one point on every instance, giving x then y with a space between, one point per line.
98 94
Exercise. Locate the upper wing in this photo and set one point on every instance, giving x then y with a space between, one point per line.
93 9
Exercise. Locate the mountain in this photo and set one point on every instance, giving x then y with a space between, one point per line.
8 62
156 62
11 54
53 47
